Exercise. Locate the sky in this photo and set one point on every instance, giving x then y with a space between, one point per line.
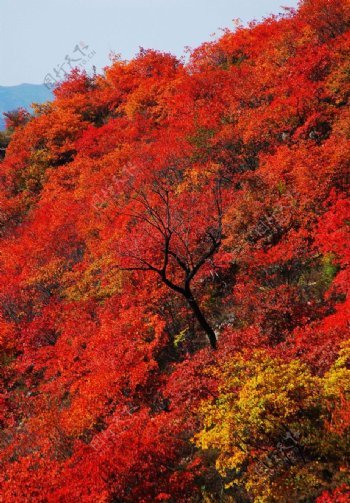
38 36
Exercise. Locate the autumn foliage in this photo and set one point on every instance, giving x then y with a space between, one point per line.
174 275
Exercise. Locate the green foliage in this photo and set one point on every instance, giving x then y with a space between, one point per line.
330 268
180 337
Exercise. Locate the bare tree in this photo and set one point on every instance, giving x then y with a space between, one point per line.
179 257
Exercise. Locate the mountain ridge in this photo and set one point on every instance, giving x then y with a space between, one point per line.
21 95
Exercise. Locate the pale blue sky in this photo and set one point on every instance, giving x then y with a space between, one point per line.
36 35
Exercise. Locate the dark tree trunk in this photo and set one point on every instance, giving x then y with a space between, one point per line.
201 318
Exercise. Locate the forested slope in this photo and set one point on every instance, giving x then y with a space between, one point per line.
174 275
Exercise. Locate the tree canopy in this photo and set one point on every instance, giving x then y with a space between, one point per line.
174 275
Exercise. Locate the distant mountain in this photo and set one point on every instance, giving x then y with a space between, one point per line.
22 95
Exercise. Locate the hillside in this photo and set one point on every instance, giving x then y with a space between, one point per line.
23 95
174 275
